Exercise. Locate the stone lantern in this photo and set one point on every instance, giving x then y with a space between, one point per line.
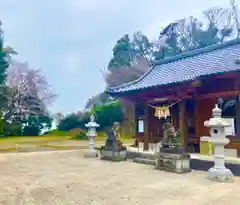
218 138
92 125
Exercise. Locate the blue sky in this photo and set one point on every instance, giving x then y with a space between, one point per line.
71 40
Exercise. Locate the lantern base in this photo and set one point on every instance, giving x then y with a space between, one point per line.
220 174
91 153
113 155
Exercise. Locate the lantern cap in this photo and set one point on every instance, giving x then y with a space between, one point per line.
216 120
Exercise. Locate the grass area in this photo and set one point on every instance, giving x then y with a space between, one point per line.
42 139
32 139
39 143
47 142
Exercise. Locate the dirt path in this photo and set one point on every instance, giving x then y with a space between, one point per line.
66 178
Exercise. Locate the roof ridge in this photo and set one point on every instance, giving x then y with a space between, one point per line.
181 56
198 51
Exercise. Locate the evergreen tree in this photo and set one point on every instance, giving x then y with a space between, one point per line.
3 59
126 51
122 53
190 33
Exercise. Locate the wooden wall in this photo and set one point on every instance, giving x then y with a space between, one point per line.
155 126
203 112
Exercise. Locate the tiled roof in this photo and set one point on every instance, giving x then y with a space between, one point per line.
211 60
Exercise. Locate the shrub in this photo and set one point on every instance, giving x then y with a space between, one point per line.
73 121
12 129
56 133
101 135
81 136
107 114
75 131
70 133
31 131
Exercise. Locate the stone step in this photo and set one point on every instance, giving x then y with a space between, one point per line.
144 161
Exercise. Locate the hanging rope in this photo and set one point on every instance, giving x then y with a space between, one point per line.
167 105
164 111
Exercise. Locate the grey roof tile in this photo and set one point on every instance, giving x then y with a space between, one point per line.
187 66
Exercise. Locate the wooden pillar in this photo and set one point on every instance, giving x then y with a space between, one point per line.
146 128
182 124
174 117
136 118
238 116
237 125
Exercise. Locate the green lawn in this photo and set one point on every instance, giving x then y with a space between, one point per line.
41 143
32 139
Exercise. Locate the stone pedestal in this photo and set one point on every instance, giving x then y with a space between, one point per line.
113 151
173 162
220 174
91 153
113 155
92 125
218 138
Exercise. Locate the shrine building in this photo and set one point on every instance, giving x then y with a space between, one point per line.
184 89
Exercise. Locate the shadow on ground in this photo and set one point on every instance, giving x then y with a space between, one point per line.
204 165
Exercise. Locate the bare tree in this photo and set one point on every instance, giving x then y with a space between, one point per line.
98 99
220 20
187 33
28 92
236 16
123 75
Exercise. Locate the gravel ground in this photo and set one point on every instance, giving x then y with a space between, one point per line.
66 178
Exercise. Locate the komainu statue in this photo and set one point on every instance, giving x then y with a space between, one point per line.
170 136
171 156
116 130
113 149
